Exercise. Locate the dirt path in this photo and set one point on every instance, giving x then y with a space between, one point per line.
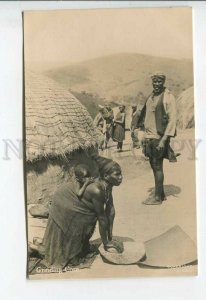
141 222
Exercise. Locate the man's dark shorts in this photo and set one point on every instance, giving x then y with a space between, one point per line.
150 149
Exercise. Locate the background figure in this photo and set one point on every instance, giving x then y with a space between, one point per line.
134 132
108 117
104 122
99 123
119 128
158 118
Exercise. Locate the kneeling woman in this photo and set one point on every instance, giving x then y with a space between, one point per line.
72 221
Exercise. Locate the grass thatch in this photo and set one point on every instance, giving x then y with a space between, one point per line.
56 122
46 175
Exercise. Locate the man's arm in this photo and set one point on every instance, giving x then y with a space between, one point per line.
139 124
172 115
135 120
170 107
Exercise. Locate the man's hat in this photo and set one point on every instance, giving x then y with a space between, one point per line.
158 75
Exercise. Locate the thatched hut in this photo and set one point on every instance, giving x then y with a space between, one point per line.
59 134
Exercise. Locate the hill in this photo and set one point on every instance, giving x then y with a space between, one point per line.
120 77
91 101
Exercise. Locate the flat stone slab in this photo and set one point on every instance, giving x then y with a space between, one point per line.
174 248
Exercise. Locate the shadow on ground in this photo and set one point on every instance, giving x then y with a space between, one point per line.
170 190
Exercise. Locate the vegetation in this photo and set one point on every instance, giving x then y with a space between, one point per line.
91 101
123 75
124 79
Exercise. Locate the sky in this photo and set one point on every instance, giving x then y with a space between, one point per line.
71 36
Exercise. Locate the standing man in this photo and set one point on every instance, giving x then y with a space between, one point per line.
158 119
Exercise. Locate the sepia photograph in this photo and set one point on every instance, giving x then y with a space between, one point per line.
110 146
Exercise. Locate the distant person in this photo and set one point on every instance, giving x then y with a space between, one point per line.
158 119
119 127
109 118
104 122
134 131
99 123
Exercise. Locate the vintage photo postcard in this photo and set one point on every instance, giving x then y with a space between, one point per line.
109 143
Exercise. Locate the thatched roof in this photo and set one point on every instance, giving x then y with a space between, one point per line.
56 122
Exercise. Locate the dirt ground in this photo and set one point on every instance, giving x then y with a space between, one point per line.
141 222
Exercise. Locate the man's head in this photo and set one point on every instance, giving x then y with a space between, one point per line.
108 107
101 108
82 172
122 108
158 80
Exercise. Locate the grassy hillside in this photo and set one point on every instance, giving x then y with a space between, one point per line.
91 101
120 77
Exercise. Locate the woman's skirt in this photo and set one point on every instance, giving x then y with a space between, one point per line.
62 248
118 133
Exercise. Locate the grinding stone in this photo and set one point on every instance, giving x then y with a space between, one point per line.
132 253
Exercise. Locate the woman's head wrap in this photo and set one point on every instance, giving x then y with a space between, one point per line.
105 165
